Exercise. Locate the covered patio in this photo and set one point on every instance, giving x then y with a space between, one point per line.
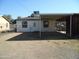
35 36
57 18
71 26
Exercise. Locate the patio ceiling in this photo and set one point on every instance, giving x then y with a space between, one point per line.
53 16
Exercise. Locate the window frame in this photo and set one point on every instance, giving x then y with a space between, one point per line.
24 24
45 25
34 24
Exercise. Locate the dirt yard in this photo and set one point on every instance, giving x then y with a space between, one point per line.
37 49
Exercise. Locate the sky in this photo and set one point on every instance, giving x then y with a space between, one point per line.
25 8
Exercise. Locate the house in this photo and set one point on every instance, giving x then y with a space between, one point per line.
34 23
38 22
4 24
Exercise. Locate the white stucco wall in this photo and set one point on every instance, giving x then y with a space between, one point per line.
30 26
3 23
51 27
38 27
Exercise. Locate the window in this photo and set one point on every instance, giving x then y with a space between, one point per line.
24 24
45 23
34 24
1 27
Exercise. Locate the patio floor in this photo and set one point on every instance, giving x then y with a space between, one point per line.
36 36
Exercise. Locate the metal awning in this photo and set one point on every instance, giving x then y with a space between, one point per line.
53 16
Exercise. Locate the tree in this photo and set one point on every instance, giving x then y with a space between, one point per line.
13 21
8 18
19 17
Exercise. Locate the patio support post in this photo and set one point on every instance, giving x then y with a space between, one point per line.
70 25
40 27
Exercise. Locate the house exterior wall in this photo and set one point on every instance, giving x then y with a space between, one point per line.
50 28
12 27
30 26
4 24
37 27
75 25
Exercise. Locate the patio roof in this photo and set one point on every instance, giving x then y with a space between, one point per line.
53 16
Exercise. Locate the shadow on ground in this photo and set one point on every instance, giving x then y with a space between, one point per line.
36 36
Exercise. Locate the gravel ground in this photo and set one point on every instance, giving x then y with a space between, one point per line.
37 49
